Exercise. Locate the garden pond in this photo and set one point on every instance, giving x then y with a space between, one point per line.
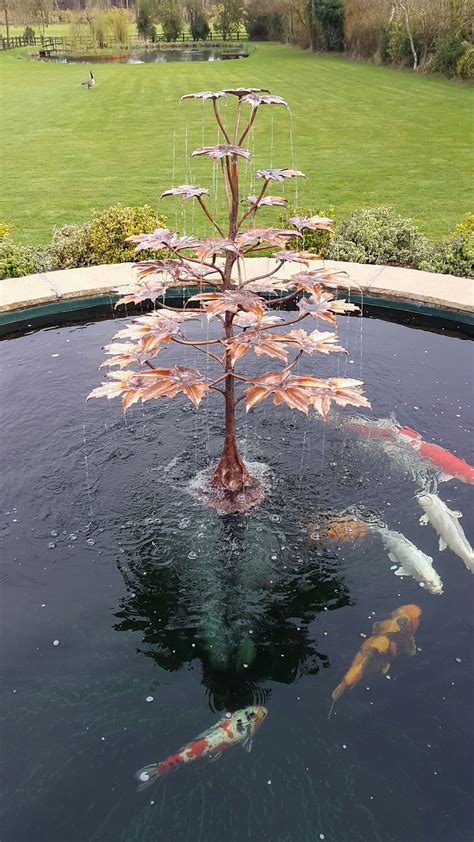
133 618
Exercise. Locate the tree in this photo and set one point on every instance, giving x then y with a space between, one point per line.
145 20
228 17
198 22
330 16
244 317
171 21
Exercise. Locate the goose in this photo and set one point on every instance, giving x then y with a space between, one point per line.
89 83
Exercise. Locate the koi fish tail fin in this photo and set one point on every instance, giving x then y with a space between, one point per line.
147 776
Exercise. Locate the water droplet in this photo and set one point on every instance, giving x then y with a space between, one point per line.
344 745
90 541
268 782
387 677
192 555
103 739
43 605
321 835
51 545
273 557
72 537
53 533
458 660
149 699
55 642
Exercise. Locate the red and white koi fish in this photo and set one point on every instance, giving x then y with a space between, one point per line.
233 729
449 465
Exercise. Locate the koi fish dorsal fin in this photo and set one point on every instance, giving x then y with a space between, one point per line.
386 668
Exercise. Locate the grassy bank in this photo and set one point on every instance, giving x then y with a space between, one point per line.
364 136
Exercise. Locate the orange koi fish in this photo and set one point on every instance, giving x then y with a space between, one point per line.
341 529
391 637
233 729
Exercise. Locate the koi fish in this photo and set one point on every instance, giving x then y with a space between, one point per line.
448 464
402 623
341 529
233 729
411 560
391 637
446 523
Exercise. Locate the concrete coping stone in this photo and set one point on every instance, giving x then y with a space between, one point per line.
388 282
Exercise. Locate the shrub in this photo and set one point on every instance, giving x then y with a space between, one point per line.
5 230
17 260
71 246
379 235
316 242
29 34
145 24
110 228
455 256
465 65
263 25
449 51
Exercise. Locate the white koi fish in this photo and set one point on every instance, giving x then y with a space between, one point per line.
446 523
412 561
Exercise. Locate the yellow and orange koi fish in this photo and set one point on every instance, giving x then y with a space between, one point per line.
392 637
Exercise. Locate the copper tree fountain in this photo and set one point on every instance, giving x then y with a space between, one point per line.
243 307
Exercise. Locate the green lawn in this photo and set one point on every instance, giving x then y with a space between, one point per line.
364 135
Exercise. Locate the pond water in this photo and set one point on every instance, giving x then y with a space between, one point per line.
148 56
133 618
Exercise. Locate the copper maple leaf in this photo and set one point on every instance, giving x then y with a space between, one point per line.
143 292
312 223
126 383
322 341
246 320
231 301
205 95
159 238
284 387
223 150
186 191
157 267
272 236
168 382
154 328
313 280
289 256
269 201
255 100
323 305
279 174
154 383
270 344
125 354
266 285
340 390
240 92
209 246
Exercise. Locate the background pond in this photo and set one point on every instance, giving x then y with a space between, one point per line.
148 595
147 56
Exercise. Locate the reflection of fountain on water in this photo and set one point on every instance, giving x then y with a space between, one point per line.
237 593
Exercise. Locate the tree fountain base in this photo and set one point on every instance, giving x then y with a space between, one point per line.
227 502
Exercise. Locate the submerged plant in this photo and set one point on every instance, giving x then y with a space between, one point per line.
241 305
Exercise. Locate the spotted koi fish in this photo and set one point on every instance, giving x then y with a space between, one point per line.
233 729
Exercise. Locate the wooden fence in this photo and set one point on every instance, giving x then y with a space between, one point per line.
65 44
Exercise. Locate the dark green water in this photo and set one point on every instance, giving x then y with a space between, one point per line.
150 595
